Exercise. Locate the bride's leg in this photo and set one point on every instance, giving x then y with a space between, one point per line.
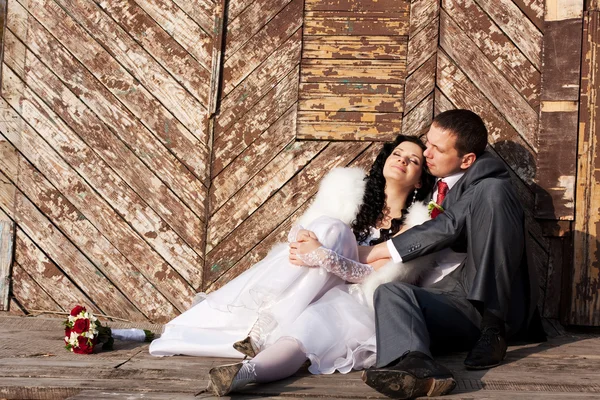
276 362
335 235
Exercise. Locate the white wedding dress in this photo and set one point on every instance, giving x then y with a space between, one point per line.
329 318
332 321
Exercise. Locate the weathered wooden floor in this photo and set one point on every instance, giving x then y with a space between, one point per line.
34 365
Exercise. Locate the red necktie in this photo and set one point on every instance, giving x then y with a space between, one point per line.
442 191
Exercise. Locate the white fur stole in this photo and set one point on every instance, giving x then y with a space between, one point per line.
340 195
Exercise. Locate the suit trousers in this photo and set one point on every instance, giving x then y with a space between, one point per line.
434 319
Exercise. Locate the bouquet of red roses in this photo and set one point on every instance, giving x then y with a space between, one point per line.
83 332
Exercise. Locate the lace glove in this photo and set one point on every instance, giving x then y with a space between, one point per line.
348 270
294 232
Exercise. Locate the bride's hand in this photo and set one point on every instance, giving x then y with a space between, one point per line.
306 241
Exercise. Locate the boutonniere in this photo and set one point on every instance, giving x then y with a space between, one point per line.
434 209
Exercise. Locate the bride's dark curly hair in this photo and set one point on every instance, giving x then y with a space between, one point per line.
370 212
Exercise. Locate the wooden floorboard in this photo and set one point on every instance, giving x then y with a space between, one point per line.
565 367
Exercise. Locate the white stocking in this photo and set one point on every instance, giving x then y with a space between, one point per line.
278 361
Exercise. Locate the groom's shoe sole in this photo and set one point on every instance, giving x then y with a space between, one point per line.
403 385
221 378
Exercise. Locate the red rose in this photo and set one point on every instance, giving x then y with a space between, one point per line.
81 325
76 310
67 331
435 212
84 346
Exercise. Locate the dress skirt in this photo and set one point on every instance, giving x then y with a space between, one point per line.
326 316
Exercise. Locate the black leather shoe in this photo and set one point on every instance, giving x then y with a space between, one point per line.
488 352
415 375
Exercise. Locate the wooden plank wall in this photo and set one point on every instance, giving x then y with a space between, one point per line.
559 114
585 284
262 177
104 153
153 148
146 143
353 69
421 67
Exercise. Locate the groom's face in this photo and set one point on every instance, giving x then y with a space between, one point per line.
441 155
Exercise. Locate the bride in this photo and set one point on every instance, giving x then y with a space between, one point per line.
295 304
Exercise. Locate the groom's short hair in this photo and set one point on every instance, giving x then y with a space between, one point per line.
471 133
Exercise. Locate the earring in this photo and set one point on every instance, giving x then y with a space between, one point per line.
415 196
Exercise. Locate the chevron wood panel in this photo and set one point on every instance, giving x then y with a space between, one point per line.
455 86
485 75
280 233
500 55
254 51
534 9
57 284
30 294
353 69
105 157
249 127
186 60
422 61
498 48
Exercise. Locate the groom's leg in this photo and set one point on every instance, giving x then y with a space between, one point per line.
409 318
496 244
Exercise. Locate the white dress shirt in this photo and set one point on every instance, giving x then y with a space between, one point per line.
446 260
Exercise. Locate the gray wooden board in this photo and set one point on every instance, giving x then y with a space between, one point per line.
7 240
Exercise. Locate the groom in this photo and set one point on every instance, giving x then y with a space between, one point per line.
484 292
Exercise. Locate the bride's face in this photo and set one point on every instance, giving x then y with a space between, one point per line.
404 165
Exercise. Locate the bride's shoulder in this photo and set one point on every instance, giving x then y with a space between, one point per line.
340 194
341 177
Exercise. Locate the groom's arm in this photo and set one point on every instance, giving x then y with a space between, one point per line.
431 236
